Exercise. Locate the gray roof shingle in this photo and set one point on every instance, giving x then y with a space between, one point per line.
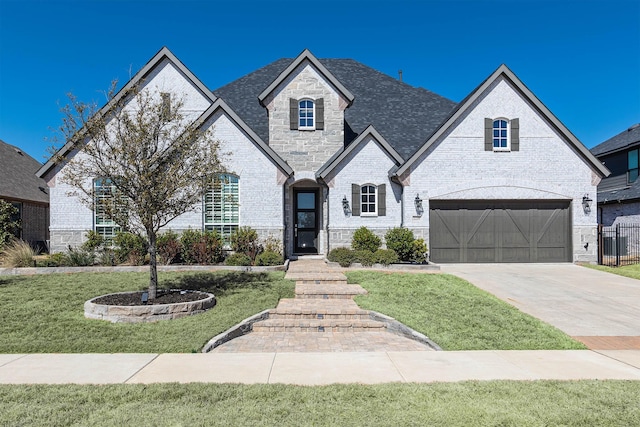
18 178
622 140
404 115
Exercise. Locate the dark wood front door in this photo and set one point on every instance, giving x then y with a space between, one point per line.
305 221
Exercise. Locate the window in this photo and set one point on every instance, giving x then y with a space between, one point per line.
632 165
500 135
368 196
305 114
17 217
103 199
221 207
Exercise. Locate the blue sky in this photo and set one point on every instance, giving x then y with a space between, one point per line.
581 58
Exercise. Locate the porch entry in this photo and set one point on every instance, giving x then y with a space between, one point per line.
305 220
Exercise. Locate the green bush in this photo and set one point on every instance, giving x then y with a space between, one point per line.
8 228
57 259
80 257
18 253
273 244
168 247
188 239
343 256
106 256
364 257
419 251
208 250
245 240
364 240
400 240
238 259
385 256
130 248
94 241
269 258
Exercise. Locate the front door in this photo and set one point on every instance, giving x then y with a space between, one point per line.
305 221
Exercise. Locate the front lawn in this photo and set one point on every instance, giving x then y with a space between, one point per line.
45 314
490 403
632 270
455 314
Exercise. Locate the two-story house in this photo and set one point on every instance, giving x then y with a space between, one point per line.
619 194
321 147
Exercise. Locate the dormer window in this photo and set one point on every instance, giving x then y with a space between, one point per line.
306 113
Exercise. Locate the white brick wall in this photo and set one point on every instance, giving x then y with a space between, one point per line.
546 167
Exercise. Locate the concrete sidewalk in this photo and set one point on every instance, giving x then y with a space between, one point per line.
318 368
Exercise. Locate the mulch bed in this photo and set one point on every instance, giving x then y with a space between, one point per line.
164 297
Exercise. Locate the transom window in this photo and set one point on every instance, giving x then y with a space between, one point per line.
305 114
104 202
632 165
500 135
222 207
368 197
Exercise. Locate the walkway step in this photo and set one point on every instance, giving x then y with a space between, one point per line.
313 308
311 325
329 291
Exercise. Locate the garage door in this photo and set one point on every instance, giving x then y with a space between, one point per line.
499 231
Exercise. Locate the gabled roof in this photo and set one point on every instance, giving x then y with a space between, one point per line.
619 142
162 54
18 178
467 103
403 114
219 104
337 158
306 55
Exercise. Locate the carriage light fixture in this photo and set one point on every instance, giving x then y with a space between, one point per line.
345 205
586 204
418 203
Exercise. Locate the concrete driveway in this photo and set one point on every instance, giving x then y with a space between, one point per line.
577 300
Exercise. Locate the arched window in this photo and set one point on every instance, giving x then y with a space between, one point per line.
222 207
500 135
369 200
306 112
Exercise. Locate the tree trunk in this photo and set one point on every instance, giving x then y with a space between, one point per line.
153 265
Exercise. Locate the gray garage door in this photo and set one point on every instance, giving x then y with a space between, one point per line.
499 231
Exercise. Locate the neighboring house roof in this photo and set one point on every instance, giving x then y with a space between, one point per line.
467 103
139 76
626 193
619 142
404 115
18 178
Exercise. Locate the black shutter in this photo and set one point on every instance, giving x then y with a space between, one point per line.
515 134
293 114
320 114
355 200
382 200
488 134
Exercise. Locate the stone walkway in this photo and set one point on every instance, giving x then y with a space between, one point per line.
321 318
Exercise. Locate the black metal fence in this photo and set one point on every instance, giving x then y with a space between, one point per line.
619 245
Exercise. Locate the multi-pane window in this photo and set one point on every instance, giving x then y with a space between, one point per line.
305 114
368 196
632 165
221 207
104 202
500 135
17 217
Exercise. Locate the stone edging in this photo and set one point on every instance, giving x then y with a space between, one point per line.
146 313
235 331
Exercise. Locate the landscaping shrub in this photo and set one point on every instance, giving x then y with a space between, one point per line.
385 256
238 259
94 241
400 240
130 247
419 251
245 240
364 240
18 253
273 244
269 258
8 227
57 259
169 247
343 256
364 257
80 257
208 250
188 239
106 256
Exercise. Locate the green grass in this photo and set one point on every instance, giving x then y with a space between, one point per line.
632 271
455 314
45 314
492 403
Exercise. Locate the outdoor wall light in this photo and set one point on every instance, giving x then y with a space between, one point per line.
586 204
418 203
345 205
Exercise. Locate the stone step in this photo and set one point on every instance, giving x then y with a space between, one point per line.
317 276
327 291
313 308
321 281
313 325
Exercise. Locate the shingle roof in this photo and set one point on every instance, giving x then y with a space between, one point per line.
18 178
404 115
620 141
632 192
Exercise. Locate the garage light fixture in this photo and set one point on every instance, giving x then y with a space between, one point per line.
345 205
418 203
586 204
